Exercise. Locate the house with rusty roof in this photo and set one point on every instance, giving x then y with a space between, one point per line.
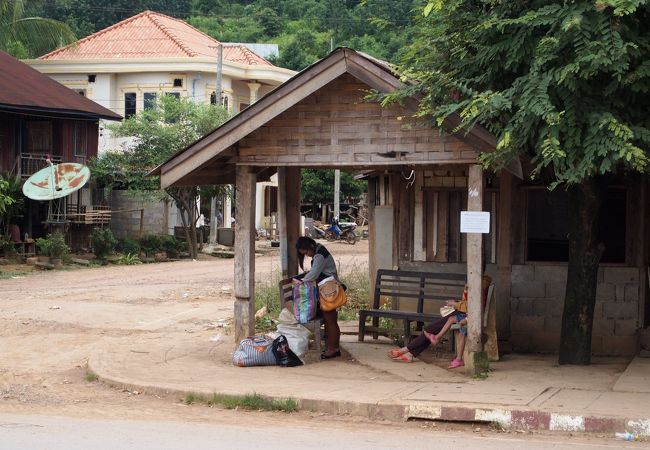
41 119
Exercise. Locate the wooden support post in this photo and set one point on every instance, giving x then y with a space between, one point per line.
504 265
288 218
477 359
372 231
141 223
244 252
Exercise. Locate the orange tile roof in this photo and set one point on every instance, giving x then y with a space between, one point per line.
152 35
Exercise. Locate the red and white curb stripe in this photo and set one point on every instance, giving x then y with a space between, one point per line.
529 420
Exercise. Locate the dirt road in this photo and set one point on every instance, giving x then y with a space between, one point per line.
51 321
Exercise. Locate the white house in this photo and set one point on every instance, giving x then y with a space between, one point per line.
126 66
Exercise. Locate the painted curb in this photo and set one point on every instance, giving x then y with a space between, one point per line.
399 412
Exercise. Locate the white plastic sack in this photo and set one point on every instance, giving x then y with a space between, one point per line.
297 335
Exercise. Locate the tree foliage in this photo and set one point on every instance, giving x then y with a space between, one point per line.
317 186
25 35
156 134
564 82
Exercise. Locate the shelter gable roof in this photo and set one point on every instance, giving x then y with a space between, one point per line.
377 74
152 35
24 89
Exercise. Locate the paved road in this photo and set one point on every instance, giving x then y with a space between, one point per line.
61 433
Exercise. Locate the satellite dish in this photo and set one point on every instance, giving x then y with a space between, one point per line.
56 181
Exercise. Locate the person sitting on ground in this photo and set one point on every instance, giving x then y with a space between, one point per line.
322 266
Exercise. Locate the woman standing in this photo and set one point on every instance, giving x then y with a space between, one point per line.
322 266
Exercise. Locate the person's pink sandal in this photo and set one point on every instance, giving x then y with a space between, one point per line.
405 357
456 363
396 353
432 337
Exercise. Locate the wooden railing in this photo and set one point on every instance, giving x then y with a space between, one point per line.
30 163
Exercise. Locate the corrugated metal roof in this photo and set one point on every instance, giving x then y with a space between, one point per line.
152 35
23 89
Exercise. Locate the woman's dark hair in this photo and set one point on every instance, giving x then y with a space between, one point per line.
304 243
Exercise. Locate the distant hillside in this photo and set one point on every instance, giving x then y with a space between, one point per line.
304 29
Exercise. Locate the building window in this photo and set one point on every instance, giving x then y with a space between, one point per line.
243 106
80 139
547 227
129 104
225 102
213 98
149 100
178 82
176 95
39 136
91 78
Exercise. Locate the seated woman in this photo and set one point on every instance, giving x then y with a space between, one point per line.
434 332
322 266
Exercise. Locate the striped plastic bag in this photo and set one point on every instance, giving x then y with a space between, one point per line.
305 301
255 351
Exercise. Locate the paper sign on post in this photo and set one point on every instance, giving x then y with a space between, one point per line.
474 222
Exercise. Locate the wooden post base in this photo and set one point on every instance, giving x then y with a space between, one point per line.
244 319
476 363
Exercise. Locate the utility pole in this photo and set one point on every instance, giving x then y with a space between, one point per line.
217 94
219 90
337 190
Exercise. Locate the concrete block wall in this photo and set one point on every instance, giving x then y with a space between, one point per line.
127 224
537 301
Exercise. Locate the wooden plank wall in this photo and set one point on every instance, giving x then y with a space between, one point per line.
336 126
7 149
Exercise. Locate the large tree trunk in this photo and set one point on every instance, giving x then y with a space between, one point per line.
582 277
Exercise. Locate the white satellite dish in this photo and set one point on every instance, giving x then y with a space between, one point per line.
56 181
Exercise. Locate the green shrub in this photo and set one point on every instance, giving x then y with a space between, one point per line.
151 243
7 247
53 245
128 260
103 242
172 246
128 246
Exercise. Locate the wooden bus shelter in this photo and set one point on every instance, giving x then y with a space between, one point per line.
321 118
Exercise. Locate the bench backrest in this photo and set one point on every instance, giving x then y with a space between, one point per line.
286 291
418 286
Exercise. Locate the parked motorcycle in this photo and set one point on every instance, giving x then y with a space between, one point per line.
343 232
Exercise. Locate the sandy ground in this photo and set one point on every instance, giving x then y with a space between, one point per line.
50 322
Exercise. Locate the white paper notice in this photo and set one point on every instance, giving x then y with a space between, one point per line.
474 222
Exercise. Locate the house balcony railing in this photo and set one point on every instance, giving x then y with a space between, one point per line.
30 163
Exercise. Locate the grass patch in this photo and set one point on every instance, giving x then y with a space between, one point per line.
357 280
249 402
90 376
267 294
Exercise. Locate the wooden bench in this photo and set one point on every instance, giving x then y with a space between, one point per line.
286 295
411 291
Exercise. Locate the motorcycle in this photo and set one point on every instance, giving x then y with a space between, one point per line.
343 232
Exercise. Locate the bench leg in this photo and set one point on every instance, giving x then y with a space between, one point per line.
375 323
407 331
362 327
317 339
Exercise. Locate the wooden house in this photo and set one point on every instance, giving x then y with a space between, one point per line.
40 119
419 181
